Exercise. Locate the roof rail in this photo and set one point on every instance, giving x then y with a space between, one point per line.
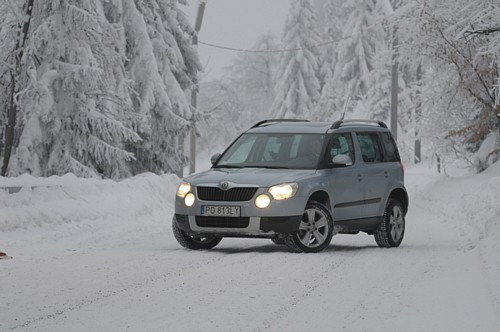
258 124
339 123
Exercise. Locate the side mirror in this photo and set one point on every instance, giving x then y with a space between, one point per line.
342 160
214 158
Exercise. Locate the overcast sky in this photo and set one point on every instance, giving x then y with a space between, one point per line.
235 23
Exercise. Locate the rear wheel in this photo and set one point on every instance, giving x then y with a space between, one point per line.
315 230
192 241
391 231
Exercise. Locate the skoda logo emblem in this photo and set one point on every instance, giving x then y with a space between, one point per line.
224 185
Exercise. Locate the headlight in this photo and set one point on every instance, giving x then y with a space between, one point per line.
183 189
262 201
283 191
189 200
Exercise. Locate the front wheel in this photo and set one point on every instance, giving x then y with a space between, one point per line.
192 241
391 231
315 230
279 240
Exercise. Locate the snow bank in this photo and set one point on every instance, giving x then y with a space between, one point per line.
48 202
468 204
488 152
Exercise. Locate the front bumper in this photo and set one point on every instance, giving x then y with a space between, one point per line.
257 226
279 217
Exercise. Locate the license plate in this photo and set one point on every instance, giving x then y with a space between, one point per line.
220 211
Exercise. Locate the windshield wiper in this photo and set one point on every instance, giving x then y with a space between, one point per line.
250 166
229 166
266 166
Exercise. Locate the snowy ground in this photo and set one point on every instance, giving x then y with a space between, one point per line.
99 256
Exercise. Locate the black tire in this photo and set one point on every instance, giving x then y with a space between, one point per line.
314 235
193 242
279 240
391 231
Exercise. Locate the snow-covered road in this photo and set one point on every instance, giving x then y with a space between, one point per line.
116 274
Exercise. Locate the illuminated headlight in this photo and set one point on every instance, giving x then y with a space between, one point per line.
283 191
189 200
262 201
183 189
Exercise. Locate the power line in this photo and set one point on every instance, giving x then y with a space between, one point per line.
264 51
229 48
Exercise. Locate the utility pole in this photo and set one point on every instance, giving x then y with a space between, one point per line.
394 86
418 115
194 93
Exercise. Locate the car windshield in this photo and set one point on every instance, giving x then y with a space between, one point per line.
267 150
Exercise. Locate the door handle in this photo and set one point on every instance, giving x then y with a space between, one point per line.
386 174
360 177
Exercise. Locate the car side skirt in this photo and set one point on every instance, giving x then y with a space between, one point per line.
354 226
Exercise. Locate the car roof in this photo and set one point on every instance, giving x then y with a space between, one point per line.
304 127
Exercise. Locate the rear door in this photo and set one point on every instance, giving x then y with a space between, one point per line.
373 173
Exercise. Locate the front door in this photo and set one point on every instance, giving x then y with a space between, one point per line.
345 186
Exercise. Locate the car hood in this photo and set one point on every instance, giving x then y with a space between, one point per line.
261 177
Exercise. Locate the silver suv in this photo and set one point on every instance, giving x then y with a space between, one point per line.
297 183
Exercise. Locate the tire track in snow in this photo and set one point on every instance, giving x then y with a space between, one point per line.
189 268
299 295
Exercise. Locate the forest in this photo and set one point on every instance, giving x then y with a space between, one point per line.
102 88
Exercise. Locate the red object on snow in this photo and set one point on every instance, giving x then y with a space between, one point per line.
4 255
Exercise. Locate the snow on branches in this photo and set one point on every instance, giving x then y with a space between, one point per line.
103 87
298 86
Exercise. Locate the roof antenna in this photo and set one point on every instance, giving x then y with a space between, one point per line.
345 106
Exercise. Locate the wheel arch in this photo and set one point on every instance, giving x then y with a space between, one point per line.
322 197
401 195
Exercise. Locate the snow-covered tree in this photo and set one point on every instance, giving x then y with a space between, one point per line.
298 87
357 47
331 34
155 33
241 98
459 42
357 84
8 36
70 122
253 74
104 86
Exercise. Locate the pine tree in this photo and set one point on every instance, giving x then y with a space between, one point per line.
332 32
253 74
14 66
103 87
71 113
162 65
356 49
358 80
298 86
8 36
375 103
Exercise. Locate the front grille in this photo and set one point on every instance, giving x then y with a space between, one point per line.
223 222
231 195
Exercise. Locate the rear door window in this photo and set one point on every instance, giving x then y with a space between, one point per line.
370 146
